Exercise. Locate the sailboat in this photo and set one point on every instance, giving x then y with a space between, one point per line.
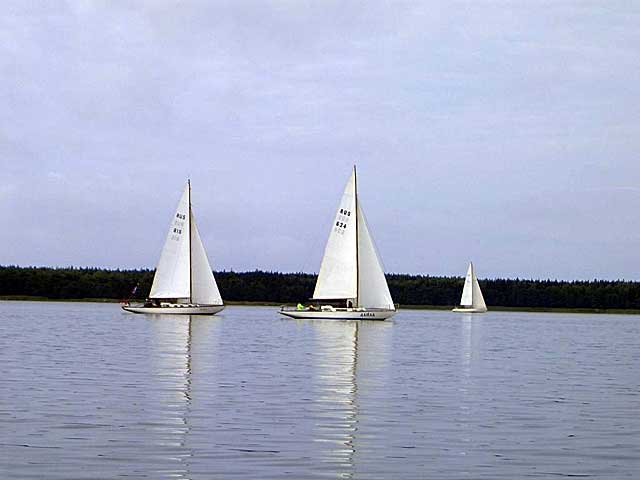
472 300
183 283
351 283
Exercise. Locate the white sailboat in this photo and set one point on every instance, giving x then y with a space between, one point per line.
183 283
472 300
351 283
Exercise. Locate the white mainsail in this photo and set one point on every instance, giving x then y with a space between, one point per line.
471 293
351 268
372 289
173 276
204 289
183 271
338 277
467 291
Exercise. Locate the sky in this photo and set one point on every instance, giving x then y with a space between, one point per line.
503 132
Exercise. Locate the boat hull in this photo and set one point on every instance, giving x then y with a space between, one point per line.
175 309
469 310
343 314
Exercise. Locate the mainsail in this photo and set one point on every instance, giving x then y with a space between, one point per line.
183 271
471 293
173 276
351 268
338 277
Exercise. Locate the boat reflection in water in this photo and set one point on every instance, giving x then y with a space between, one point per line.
347 352
471 335
178 350
471 327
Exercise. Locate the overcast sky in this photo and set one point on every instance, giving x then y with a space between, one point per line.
504 132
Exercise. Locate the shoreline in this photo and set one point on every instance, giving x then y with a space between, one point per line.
613 311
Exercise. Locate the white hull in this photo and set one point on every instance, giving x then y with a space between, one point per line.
341 314
176 309
469 310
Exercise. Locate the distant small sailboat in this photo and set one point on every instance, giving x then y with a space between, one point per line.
472 300
183 283
351 284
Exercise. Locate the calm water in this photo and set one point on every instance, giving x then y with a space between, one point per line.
89 392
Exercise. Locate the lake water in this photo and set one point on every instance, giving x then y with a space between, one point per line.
88 391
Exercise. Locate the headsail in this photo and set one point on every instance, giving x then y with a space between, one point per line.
373 290
338 273
478 299
172 278
204 289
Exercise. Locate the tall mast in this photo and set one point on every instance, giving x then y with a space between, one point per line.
473 276
190 230
355 181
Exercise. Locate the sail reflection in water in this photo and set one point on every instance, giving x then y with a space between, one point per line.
347 351
180 363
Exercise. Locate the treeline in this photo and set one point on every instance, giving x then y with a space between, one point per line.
258 286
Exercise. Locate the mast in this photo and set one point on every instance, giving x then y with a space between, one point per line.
355 181
190 233
473 276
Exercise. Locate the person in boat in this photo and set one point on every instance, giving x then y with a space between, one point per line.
148 303
300 307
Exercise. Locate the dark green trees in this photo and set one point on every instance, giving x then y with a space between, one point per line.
259 286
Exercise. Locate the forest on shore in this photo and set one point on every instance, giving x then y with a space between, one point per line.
283 288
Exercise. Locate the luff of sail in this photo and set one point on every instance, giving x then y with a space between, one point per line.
339 270
173 275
